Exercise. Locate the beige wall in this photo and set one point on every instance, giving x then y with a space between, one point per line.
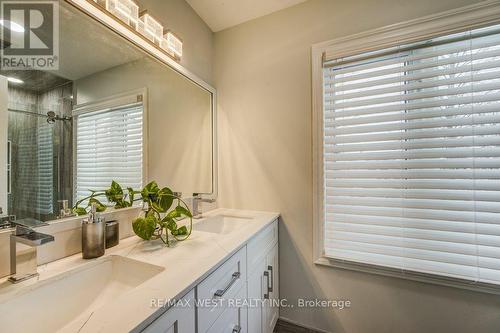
178 16
263 76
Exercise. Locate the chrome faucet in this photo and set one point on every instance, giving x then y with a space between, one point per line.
197 199
23 244
65 210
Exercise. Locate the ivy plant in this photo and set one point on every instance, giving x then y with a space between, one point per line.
160 216
114 194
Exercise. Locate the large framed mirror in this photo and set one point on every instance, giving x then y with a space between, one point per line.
117 108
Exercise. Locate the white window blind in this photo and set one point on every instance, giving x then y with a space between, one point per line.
411 153
109 146
45 181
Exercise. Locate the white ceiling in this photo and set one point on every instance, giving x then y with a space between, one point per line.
222 14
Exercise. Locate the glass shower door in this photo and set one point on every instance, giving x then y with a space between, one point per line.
40 174
32 171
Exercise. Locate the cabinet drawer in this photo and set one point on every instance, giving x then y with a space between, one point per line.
261 244
178 319
233 319
222 284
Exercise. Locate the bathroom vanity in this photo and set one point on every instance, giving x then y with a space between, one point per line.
242 284
219 280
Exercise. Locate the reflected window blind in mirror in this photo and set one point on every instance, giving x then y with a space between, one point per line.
109 146
411 157
45 170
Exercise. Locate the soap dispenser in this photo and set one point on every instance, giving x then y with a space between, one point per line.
93 235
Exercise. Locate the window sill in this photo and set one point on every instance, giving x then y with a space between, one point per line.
489 288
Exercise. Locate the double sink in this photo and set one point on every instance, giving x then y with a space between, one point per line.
65 302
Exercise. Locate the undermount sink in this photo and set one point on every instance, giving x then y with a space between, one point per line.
65 302
221 224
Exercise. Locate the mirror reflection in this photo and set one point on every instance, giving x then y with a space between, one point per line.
110 112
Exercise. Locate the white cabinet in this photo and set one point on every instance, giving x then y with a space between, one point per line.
234 318
261 244
221 287
271 311
178 319
263 286
248 277
257 290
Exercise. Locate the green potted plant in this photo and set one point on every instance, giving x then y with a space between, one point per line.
160 217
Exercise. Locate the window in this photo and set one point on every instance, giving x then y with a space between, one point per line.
109 146
409 158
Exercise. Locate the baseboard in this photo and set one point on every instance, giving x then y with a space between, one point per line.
285 325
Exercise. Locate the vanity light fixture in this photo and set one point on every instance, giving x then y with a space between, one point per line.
172 44
14 80
125 10
150 28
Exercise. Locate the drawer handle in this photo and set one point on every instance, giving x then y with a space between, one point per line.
234 277
270 289
266 294
237 329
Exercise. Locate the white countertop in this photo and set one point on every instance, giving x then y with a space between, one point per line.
186 264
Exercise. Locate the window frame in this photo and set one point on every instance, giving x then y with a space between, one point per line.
449 22
113 101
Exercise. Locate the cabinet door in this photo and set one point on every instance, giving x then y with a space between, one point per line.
263 288
257 289
271 312
261 244
234 317
178 319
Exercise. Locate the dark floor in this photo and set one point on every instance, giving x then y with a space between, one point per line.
285 327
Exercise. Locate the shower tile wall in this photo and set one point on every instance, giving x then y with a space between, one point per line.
41 153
